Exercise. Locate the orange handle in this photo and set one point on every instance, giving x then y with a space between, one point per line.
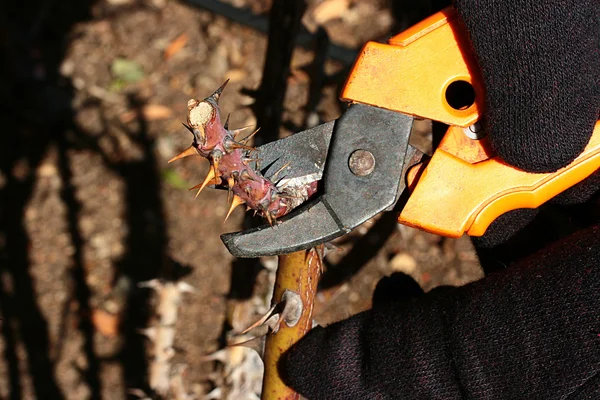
453 195
413 72
464 187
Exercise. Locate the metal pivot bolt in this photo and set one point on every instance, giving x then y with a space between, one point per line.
474 131
361 162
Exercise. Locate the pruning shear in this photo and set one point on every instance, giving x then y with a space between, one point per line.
366 164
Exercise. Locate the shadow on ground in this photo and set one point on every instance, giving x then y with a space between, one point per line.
37 117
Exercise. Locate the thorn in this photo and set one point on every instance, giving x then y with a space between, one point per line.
189 128
284 185
237 132
274 176
217 94
268 216
211 176
245 175
256 343
276 184
245 140
257 161
190 151
232 145
226 124
236 201
262 319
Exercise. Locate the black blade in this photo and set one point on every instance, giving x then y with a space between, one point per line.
311 224
348 199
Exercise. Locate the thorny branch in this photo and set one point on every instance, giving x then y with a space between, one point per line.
297 276
295 289
231 163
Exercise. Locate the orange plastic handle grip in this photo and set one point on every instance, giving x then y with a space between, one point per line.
455 194
411 73
464 187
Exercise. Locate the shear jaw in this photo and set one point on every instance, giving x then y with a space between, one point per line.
349 198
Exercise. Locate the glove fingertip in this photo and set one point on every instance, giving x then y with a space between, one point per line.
326 363
298 367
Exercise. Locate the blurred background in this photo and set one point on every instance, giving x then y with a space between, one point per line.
101 243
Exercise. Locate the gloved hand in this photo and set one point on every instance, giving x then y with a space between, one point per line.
533 330
529 333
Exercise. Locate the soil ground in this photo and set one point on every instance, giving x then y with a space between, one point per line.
90 207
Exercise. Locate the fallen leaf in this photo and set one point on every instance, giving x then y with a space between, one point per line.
425 277
174 179
175 46
107 324
150 112
126 70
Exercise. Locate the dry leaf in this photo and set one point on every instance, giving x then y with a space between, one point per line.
175 46
150 112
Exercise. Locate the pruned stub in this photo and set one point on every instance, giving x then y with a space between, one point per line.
231 163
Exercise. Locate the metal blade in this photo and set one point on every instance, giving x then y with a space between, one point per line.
348 199
306 153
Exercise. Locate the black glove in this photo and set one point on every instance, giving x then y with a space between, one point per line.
532 331
540 65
